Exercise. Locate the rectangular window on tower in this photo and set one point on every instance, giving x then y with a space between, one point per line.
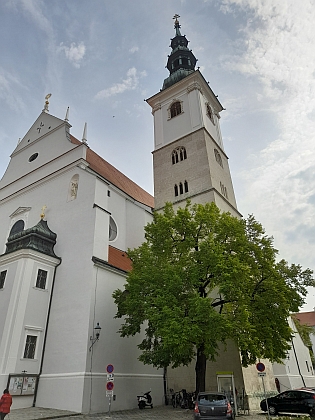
2 278
41 279
30 346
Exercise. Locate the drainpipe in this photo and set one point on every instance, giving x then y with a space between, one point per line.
45 336
297 363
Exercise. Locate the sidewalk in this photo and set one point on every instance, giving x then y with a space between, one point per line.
157 413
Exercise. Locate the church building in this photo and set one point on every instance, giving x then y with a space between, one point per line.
67 218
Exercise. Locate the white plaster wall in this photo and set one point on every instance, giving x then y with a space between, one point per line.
74 222
254 384
117 209
46 171
136 218
131 376
48 148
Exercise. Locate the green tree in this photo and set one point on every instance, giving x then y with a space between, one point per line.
202 277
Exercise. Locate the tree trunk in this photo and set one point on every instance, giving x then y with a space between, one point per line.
201 365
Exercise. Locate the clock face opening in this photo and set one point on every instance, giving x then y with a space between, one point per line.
33 157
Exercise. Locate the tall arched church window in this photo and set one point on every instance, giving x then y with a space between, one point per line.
210 113
186 186
175 109
112 229
17 227
218 157
176 190
179 154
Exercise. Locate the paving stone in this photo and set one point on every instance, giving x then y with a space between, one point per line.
157 413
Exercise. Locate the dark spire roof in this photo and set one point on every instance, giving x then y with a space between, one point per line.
39 238
181 62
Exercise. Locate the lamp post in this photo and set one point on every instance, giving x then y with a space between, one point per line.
95 337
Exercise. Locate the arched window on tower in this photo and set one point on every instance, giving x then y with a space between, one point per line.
181 191
186 186
179 154
176 190
218 157
224 190
175 156
175 109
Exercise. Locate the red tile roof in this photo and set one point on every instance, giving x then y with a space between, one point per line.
307 318
115 177
119 259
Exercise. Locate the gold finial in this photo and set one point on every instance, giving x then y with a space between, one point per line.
42 215
47 102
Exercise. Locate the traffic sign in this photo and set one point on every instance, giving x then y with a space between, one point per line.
262 374
109 393
260 367
110 369
110 386
110 377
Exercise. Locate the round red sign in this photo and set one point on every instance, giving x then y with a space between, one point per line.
110 386
260 367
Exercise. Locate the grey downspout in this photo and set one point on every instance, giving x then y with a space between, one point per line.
45 336
297 363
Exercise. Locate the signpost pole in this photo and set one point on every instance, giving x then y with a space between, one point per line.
261 372
263 382
110 386
109 404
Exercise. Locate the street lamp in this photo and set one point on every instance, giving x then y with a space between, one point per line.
96 335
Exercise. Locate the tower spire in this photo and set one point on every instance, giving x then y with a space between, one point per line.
181 62
84 137
177 25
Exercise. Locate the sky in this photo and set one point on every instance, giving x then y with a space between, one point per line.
103 58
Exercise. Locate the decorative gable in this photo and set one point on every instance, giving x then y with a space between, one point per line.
44 125
19 211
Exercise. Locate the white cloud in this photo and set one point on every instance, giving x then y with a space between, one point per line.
130 83
74 53
279 52
134 49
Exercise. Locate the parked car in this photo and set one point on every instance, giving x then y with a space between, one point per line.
292 401
213 406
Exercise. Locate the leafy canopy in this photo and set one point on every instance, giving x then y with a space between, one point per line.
202 277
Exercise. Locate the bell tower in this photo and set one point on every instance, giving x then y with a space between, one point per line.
189 160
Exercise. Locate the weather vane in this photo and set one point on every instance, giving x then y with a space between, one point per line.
47 102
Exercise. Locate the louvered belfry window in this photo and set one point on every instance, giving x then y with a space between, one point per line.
30 346
41 279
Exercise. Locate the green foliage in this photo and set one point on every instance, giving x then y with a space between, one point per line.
202 277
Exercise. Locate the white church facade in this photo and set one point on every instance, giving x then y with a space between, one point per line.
67 219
